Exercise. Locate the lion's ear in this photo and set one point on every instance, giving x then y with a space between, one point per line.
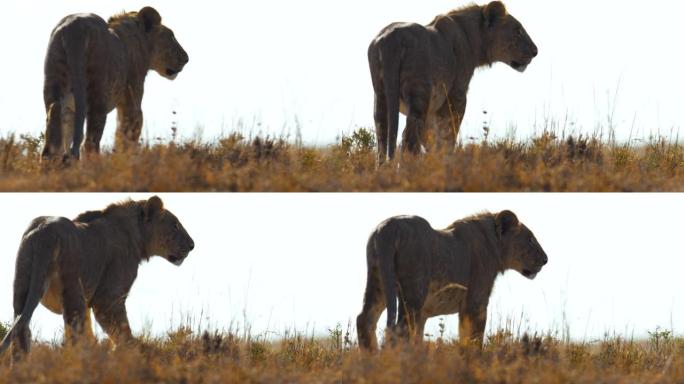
493 12
153 207
149 17
505 221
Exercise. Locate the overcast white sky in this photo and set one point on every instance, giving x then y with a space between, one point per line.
274 65
298 260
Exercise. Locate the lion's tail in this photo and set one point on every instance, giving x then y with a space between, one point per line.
75 52
75 47
64 91
383 55
384 253
34 286
53 92
391 80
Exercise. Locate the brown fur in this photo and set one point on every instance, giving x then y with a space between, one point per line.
438 272
93 67
71 266
424 72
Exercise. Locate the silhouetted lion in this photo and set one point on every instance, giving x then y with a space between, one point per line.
92 261
93 66
439 272
424 72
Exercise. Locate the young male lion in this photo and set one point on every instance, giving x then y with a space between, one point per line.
439 272
93 66
424 72
92 261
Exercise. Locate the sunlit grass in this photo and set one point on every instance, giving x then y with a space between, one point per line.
548 161
184 355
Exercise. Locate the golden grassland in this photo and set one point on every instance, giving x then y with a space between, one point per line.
186 357
545 162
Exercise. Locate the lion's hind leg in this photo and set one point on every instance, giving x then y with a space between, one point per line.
88 326
373 305
53 132
381 126
22 338
415 133
30 283
74 306
412 297
68 120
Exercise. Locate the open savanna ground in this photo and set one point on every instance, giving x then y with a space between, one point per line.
186 357
544 162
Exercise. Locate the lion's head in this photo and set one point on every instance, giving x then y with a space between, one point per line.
508 41
165 235
168 57
521 250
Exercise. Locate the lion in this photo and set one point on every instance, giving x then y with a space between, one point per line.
93 67
424 71
91 262
439 272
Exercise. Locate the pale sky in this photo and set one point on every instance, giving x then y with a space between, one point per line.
298 260
274 65
284 261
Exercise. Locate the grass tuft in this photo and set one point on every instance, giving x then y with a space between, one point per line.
4 329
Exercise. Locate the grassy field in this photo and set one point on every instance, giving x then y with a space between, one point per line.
546 162
185 357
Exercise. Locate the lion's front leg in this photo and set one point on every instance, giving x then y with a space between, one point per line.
416 132
114 320
471 324
129 126
88 326
448 122
73 305
97 119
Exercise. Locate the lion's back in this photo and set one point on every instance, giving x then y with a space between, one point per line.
76 34
397 37
405 234
79 22
50 226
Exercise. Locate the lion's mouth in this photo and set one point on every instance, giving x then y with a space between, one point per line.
171 73
520 66
529 273
176 260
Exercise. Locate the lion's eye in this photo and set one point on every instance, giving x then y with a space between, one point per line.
176 226
520 32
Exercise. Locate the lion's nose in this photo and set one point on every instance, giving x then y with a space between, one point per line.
545 260
191 245
535 51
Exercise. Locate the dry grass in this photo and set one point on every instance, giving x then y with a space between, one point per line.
546 162
184 357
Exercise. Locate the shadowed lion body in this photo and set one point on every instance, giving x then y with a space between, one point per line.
92 67
424 72
438 272
92 261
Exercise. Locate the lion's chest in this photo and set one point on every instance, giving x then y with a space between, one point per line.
444 299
